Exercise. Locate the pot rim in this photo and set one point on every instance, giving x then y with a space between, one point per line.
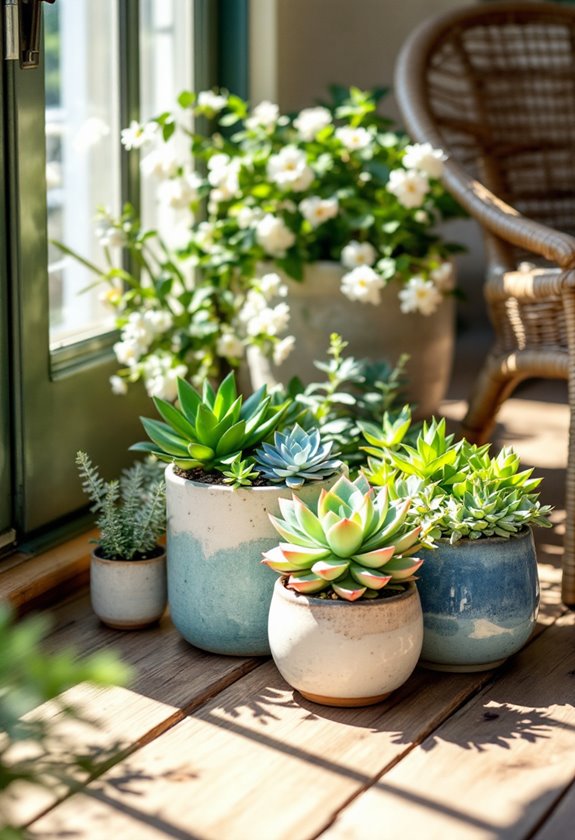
225 488
465 542
310 600
106 561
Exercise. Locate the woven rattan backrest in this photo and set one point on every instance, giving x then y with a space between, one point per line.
500 89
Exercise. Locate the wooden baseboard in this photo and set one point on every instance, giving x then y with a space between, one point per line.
29 582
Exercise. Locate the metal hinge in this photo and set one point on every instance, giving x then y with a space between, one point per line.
22 27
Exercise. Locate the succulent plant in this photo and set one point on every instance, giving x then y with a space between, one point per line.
209 430
458 489
354 545
296 456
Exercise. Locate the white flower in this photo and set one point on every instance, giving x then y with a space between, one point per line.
362 284
211 101
160 163
128 352
409 187
274 236
138 134
421 217
109 236
138 329
223 176
179 193
158 320
271 286
270 320
118 385
310 121
254 304
419 295
354 139
318 210
424 158
248 217
443 277
264 115
283 348
161 378
358 253
229 346
289 169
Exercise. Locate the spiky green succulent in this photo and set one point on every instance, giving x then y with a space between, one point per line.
210 429
458 489
296 456
356 543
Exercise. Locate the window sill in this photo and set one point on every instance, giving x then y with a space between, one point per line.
31 582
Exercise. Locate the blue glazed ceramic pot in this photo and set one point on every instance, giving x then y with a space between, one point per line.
480 600
219 593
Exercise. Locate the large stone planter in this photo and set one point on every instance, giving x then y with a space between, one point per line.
318 308
218 591
345 654
480 600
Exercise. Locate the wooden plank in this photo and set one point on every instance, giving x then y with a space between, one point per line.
258 762
559 825
115 720
168 669
495 768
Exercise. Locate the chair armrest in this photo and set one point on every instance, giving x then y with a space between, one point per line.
505 221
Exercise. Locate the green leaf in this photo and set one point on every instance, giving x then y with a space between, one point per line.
225 396
232 440
206 426
164 437
208 394
175 418
201 452
189 400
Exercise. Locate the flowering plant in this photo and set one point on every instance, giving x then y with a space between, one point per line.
330 183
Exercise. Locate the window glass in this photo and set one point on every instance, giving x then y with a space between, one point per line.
82 154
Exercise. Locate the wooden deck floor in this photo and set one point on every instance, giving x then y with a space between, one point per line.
221 748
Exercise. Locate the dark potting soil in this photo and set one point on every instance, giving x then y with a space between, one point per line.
214 477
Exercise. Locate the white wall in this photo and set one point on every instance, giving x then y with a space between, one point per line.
299 47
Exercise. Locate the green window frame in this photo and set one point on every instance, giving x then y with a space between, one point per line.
54 403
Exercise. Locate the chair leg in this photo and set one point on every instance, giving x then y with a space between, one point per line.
568 579
492 387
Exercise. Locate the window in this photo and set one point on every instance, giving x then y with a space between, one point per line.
105 64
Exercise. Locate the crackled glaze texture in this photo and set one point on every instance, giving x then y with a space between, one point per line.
219 592
346 654
480 601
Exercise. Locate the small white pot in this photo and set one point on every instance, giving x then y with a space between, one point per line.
345 654
128 594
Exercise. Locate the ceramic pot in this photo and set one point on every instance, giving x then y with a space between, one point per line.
345 654
480 600
218 590
382 332
128 594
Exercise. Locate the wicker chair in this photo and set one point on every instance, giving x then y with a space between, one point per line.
494 86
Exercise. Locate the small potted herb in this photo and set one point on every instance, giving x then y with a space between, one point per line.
128 566
345 623
225 475
479 589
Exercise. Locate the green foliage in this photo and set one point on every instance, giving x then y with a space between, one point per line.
296 456
29 677
131 511
191 310
458 488
353 545
211 429
353 393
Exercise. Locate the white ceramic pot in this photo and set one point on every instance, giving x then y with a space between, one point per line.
218 590
128 594
381 332
345 654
